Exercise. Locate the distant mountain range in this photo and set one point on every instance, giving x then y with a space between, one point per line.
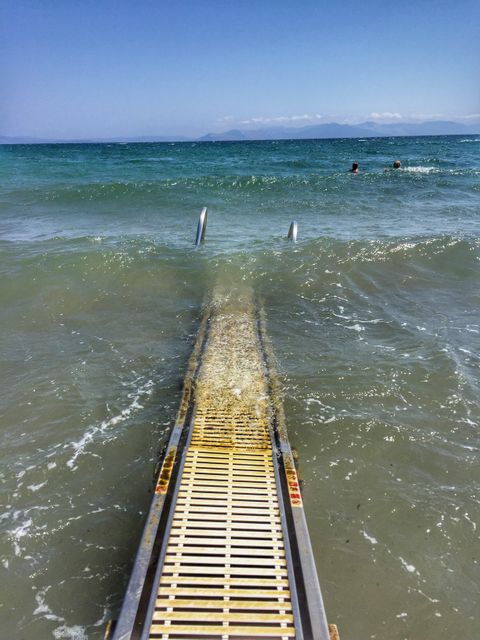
312 132
335 130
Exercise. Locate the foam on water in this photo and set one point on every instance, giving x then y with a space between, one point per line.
95 431
426 170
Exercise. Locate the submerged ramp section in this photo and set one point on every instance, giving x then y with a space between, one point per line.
232 558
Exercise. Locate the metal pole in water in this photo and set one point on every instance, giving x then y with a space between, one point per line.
292 232
202 227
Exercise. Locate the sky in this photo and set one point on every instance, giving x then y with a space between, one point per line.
105 68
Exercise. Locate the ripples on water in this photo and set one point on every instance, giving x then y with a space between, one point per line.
374 318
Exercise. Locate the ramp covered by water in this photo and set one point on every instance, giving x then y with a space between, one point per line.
225 552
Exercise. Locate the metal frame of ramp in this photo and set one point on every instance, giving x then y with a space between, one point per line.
225 552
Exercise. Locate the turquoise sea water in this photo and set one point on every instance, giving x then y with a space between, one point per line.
374 316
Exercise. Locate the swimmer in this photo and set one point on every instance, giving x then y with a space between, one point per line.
396 165
354 168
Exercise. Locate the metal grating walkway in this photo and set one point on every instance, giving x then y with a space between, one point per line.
233 560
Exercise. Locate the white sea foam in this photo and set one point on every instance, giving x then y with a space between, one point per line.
20 532
36 487
75 632
369 538
421 169
356 327
43 609
432 600
468 519
402 246
409 567
89 436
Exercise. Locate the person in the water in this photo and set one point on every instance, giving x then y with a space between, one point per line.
396 165
354 168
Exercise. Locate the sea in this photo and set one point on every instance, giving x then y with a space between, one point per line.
374 318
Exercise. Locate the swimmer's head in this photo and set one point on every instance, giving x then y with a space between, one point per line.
397 164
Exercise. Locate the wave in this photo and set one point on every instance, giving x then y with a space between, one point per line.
450 251
298 177
152 190
145 247
427 263
421 169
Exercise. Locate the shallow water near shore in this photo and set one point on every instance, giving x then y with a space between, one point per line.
374 319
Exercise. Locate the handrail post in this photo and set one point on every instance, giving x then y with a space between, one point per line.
292 232
202 227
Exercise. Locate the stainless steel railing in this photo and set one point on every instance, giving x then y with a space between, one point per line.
293 231
202 227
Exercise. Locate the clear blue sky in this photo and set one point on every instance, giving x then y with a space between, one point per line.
79 68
